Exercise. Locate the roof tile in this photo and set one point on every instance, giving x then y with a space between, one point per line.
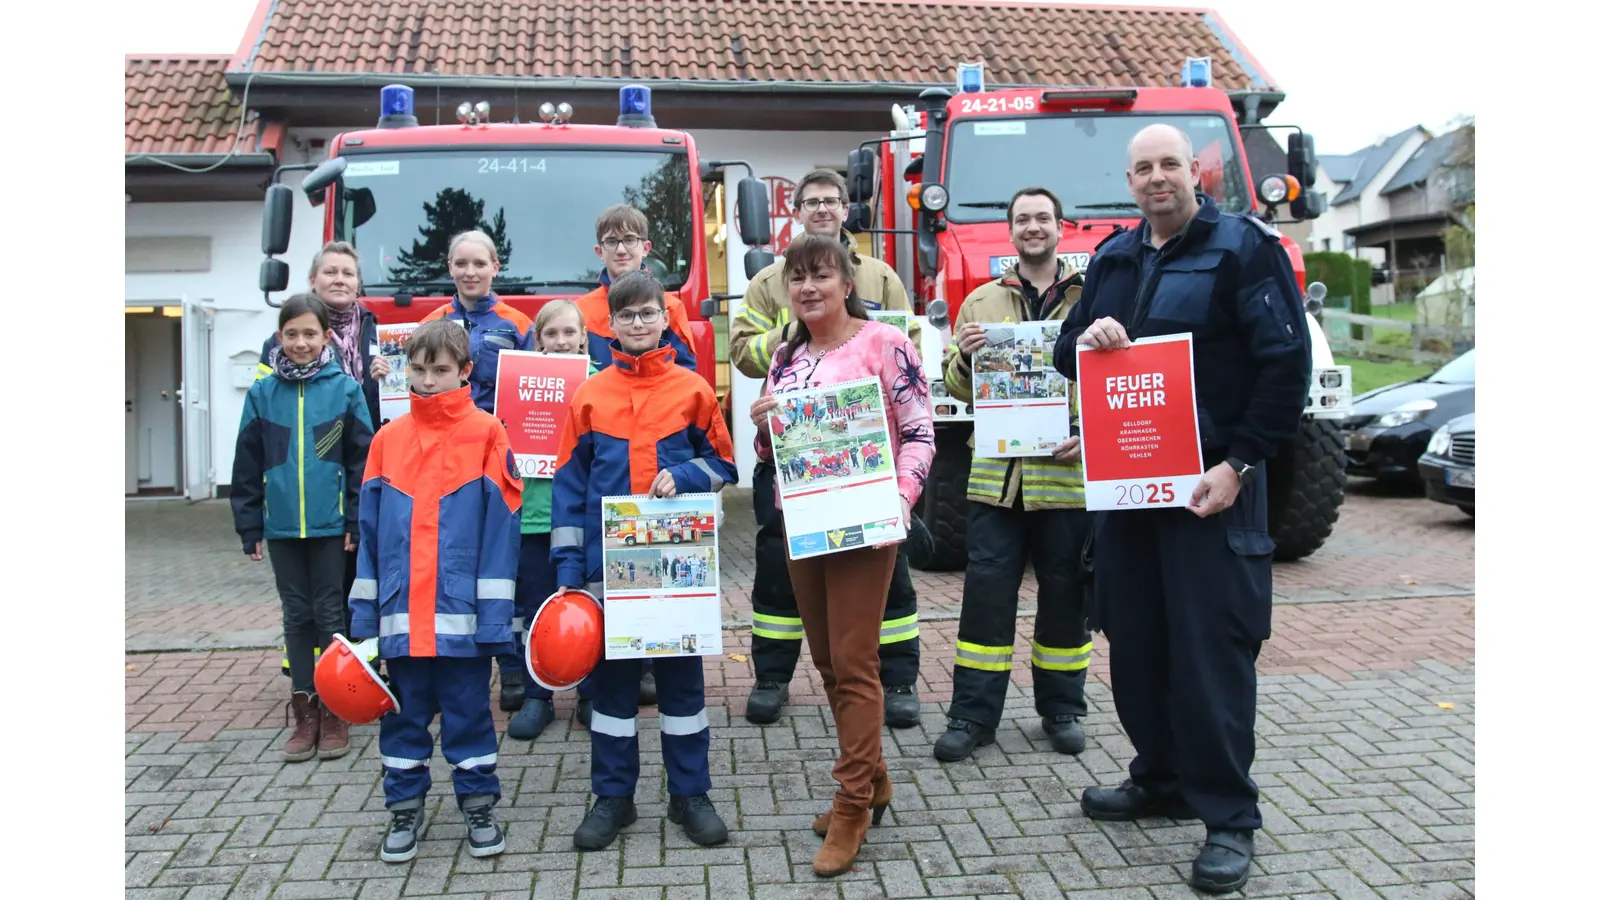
893 41
182 105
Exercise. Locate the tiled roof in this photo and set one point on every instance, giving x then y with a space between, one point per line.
794 41
1428 157
181 105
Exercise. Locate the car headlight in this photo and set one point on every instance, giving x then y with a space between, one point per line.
1406 413
1439 445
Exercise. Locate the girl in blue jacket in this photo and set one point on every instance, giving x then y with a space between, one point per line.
297 470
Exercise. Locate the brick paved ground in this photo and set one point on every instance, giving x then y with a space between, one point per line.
1365 759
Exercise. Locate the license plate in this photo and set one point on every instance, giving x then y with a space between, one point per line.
999 264
1357 441
1460 478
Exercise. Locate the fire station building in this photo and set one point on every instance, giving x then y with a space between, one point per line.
784 85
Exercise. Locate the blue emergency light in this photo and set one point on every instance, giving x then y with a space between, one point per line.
396 107
634 112
1197 71
969 78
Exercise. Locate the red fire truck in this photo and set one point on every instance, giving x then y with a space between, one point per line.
400 191
933 194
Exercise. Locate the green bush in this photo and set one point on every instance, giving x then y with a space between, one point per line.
1337 272
1361 297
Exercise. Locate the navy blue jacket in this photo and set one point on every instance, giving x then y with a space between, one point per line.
1228 280
369 340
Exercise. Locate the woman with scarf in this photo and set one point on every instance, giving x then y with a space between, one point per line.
353 336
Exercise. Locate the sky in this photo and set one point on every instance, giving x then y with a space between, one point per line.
1354 71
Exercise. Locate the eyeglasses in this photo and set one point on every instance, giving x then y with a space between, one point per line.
812 204
629 316
632 242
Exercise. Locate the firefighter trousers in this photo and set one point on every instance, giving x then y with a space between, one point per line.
1000 544
614 726
1186 603
456 689
775 637
536 581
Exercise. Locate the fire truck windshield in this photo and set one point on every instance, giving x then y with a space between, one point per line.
1083 160
539 204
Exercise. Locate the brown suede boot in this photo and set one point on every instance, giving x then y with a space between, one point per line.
882 793
302 743
334 741
846 831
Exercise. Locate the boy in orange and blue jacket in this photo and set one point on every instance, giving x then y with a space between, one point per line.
622 241
435 584
643 425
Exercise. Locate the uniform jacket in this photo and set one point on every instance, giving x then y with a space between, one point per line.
437 568
755 333
1227 279
596 312
1042 482
491 326
637 417
299 457
369 343
536 494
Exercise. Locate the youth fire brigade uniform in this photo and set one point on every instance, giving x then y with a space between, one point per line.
639 416
435 583
754 335
492 326
596 312
1186 601
1019 510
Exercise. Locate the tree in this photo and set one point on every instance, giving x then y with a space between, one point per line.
663 197
452 212
1458 176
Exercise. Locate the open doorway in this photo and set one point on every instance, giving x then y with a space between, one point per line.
153 411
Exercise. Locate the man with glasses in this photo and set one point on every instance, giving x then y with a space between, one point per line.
753 336
622 241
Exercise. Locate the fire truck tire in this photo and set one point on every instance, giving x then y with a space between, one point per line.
1305 491
943 507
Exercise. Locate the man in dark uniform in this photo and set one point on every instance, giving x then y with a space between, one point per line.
1185 595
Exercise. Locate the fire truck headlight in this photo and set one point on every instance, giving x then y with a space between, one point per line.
482 109
1274 189
935 197
564 111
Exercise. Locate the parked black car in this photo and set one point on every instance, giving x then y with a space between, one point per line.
1389 428
1448 468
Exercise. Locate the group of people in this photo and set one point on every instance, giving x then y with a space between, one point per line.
1183 595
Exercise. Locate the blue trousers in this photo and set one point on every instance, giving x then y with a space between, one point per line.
457 691
614 728
536 581
1186 603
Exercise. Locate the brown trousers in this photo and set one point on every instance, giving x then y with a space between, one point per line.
841 597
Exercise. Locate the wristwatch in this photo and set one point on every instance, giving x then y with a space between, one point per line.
1244 470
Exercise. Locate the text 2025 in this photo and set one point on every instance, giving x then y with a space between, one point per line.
1141 494
537 468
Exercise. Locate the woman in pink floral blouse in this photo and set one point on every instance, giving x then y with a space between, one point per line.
841 596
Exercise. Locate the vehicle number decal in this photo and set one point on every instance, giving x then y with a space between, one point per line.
978 104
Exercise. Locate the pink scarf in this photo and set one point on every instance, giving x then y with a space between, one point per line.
346 327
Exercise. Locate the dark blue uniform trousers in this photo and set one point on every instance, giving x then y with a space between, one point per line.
455 689
536 581
614 726
1186 603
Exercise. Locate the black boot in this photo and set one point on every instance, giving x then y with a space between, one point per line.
1130 801
513 689
901 708
585 710
766 700
647 687
961 737
1224 862
607 817
1065 734
698 818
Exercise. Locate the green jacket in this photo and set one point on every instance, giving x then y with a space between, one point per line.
1042 482
536 497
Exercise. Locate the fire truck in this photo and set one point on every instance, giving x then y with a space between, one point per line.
933 194
401 190
657 531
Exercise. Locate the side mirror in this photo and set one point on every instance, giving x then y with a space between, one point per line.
757 259
859 218
276 219
362 206
859 170
1302 159
938 313
1316 292
324 176
755 216
1309 205
274 276
706 168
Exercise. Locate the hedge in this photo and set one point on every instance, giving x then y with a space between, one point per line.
1337 271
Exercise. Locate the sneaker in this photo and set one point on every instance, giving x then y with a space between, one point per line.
606 818
901 708
408 824
485 837
960 738
531 720
766 701
1065 734
698 818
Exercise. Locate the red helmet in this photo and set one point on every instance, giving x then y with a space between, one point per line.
348 687
565 640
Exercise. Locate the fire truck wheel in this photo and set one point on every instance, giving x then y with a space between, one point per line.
1305 490
943 507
